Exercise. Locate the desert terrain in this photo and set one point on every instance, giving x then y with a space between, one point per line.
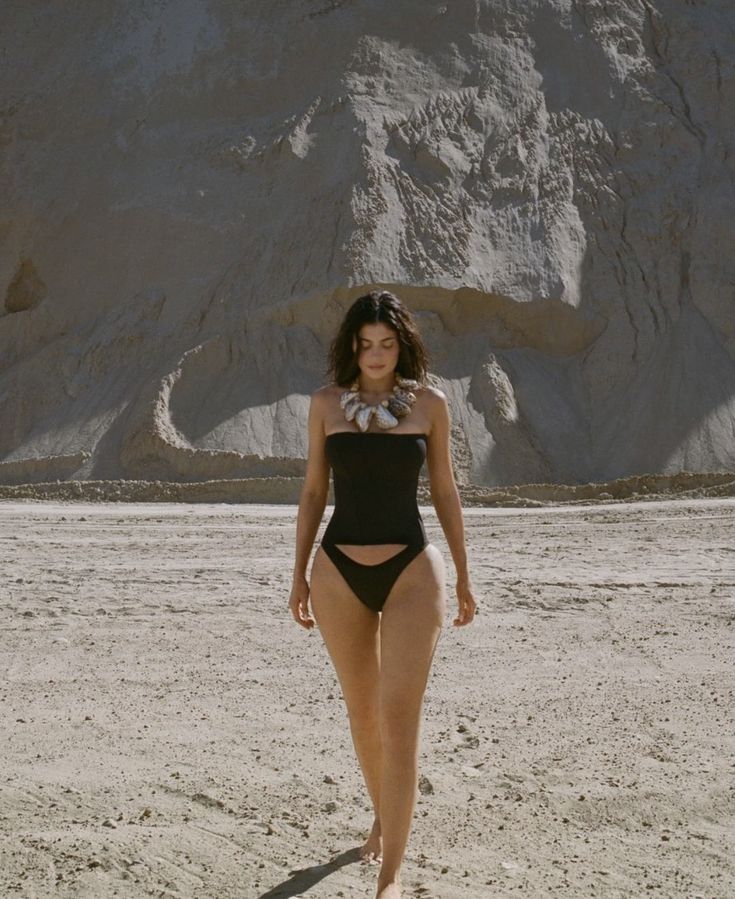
167 730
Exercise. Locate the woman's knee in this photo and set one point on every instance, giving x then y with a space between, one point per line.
399 724
364 715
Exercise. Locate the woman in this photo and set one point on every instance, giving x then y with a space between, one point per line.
377 586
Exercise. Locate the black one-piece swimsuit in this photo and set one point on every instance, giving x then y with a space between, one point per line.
375 481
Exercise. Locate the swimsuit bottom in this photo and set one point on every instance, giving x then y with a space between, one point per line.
372 584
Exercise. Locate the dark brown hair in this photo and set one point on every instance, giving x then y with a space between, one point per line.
377 306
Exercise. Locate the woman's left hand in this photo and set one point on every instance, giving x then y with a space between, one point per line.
466 604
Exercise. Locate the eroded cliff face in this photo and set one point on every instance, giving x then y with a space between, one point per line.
194 192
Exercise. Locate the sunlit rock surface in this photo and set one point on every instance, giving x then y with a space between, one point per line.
193 193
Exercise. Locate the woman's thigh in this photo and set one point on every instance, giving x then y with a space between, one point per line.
350 632
409 630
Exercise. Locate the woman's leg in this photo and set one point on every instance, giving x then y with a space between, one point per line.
411 622
351 634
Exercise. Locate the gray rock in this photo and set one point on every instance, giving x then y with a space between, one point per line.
192 200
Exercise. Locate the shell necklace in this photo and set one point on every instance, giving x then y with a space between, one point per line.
387 413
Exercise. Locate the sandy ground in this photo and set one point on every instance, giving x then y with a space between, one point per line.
167 730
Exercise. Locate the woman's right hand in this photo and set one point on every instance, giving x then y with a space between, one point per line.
299 603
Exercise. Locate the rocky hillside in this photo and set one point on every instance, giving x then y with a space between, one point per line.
193 192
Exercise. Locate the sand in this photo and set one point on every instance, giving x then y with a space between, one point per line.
167 730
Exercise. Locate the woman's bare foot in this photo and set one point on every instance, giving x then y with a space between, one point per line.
389 890
372 851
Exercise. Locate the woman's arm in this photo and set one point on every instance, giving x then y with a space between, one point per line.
311 508
445 497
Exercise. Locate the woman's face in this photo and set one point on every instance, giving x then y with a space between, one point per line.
378 350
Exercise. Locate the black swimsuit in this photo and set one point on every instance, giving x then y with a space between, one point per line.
375 480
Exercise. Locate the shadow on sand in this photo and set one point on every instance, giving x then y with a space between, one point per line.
304 879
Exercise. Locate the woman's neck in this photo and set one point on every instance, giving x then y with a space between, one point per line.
375 386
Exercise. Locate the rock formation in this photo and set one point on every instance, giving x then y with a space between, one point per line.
193 192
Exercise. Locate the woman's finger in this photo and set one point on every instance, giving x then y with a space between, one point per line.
296 606
306 618
466 611
301 613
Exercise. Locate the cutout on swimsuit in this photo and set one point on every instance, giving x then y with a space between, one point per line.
369 554
374 504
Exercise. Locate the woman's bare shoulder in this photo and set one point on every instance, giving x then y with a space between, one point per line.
325 400
327 393
432 396
434 408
